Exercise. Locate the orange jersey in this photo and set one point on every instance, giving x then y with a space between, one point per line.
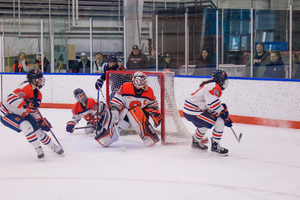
127 97
19 68
17 99
88 113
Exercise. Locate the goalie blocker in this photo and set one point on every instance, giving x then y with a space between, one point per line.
139 123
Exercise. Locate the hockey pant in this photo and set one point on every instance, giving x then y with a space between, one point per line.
206 121
138 121
28 125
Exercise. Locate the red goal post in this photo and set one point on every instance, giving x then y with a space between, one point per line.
172 128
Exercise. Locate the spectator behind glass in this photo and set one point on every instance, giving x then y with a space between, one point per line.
137 60
152 60
46 62
22 64
261 58
169 63
276 67
296 66
98 64
205 65
84 64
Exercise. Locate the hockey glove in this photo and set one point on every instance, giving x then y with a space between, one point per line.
115 116
224 113
156 116
99 84
70 126
97 124
44 124
228 122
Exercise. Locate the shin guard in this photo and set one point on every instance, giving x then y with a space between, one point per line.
141 125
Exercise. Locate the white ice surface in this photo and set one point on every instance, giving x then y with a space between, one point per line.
265 165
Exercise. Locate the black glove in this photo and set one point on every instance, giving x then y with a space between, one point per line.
99 84
228 122
97 124
224 113
156 116
44 124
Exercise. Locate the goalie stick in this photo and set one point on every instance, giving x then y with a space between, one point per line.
238 138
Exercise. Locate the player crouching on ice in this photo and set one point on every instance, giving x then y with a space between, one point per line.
87 108
19 112
132 105
204 109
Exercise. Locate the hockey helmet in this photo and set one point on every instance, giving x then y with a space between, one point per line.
33 76
112 58
221 78
78 96
140 80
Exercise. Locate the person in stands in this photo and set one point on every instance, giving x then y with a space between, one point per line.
22 64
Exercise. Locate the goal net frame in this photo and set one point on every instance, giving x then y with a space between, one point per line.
163 79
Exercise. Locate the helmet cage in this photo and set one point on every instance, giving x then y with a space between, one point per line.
140 80
77 92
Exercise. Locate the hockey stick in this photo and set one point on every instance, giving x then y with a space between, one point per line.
238 138
49 127
97 113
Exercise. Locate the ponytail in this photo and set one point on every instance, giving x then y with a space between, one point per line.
205 82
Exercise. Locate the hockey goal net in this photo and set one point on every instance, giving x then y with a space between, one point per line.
172 128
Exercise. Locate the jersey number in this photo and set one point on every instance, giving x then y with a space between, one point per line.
88 117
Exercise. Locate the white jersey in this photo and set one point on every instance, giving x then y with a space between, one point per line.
127 97
206 98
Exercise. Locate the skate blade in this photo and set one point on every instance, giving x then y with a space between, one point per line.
218 154
199 150
42 159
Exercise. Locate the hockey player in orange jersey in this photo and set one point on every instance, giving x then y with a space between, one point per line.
19 112
132 105
87 108
204 109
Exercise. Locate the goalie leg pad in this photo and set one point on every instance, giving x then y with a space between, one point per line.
141 125
107 136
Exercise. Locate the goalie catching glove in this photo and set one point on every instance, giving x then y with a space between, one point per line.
156 116
44 124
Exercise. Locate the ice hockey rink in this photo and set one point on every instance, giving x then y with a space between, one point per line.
265 165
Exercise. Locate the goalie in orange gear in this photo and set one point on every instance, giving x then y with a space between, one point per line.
132 105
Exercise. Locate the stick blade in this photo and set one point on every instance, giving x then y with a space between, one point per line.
240 137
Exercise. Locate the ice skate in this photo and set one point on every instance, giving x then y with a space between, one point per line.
40 153
215 147
198 145
57 149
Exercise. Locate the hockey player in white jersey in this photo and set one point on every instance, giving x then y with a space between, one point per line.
204 109
132 105
87 108
19 112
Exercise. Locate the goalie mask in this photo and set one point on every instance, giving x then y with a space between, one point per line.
80 95
35 77
221 78
140 80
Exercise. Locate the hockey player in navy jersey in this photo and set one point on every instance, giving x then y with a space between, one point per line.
19 112
204 109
